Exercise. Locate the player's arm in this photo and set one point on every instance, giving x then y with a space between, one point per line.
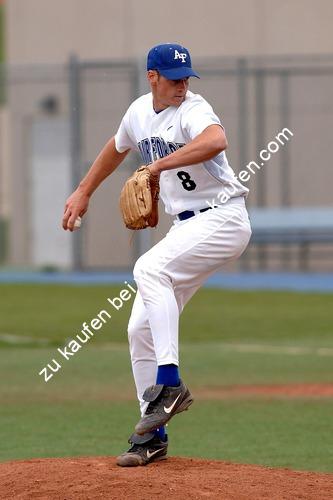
106 162
203 147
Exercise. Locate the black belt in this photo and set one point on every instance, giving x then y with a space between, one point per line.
190 213
187 214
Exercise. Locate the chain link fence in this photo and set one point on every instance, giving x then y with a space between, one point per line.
55 119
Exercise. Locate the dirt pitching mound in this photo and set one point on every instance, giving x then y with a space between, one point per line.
177 478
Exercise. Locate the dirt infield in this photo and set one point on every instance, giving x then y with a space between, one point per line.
178 478
278 391
93 478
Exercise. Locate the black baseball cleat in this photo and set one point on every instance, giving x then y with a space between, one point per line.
164 402
145 449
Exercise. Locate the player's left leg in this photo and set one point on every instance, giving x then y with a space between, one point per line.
151 446
168 275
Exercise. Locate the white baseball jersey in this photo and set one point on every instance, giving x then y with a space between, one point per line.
156 135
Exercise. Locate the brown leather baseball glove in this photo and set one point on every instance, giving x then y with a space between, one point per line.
139 199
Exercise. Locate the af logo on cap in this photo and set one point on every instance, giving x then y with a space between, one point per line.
180 55
171 60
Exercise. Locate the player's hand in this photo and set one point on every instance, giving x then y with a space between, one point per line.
76 206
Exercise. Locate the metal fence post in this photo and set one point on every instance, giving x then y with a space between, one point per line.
4 222
242 77
260 128
285 158
144 238
242 113
284 154
75 147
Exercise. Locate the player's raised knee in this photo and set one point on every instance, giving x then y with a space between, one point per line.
142 270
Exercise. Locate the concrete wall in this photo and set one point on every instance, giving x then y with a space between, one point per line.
45 31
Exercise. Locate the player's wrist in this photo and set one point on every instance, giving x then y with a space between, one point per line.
84 189
155 167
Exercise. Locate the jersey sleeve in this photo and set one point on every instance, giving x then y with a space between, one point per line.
198 117
124 137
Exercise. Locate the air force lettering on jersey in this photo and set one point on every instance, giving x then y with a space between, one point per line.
153 148
156 135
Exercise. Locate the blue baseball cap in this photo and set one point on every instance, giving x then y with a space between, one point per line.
171 60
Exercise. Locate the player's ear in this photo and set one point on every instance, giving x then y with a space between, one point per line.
152 76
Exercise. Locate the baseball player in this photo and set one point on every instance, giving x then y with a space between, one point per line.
182 142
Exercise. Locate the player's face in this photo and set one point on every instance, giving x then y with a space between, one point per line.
167 92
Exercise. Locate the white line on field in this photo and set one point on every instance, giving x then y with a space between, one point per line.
9 338
272 349
12 339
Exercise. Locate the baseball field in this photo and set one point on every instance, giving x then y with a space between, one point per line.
259 364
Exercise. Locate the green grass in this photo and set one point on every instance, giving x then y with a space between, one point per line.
294 434
56 313
89 407
97 372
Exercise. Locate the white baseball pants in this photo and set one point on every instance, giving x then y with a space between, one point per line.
170 273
